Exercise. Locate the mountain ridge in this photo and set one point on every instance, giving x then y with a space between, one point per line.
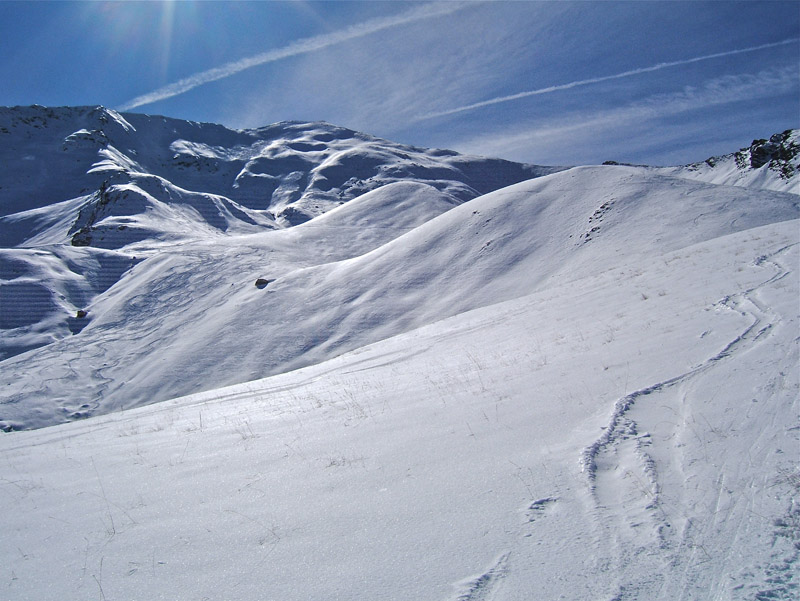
259 169
582 385
116 271
122 186
771 164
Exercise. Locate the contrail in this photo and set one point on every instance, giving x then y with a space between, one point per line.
303 46
586 82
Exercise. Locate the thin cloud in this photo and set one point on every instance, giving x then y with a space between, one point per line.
593 80
299 47
540 142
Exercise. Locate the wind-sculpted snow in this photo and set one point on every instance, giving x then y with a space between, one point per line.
95 179
449 463
192 319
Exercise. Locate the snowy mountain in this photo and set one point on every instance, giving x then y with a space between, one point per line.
438 378
769 164
86 193
212 179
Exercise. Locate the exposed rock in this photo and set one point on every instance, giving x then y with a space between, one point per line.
778 153
263 282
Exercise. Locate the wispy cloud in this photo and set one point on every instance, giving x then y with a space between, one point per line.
303 46
593 80
382 83
596 134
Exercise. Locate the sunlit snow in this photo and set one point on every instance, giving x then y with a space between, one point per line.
458 384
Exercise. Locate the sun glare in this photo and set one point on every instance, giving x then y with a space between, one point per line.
166 27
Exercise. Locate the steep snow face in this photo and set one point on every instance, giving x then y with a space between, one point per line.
772 164
93 179
341 281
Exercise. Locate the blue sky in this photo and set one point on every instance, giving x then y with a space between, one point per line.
541 82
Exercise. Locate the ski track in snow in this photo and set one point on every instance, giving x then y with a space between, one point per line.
622 478
622 475
619 426
674 501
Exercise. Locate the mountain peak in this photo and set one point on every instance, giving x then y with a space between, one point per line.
275 176
771 164
780 153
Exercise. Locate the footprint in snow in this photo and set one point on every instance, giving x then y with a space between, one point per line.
479 588
536 509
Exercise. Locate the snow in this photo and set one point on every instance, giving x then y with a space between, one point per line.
89 177
450 462
334 291
580 386
734 169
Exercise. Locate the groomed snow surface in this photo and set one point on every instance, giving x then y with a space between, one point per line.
582 386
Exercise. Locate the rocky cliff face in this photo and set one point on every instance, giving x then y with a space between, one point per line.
770 164
779 153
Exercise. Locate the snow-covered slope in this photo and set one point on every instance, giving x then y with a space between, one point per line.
628 434
579 386
191 319
772 164
122 187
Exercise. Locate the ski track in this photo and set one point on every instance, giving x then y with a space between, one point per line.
619 425
622 477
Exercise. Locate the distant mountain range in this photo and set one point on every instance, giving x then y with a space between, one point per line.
130 244
110 170
302 363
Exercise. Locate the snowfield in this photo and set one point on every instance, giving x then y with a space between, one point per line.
189 318
579 386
